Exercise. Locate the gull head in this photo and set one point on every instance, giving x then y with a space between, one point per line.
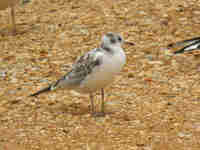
111 39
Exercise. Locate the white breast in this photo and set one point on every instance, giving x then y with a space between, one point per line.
104 74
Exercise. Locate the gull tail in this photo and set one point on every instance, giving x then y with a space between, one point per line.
47 89
58 84
184 43
189 45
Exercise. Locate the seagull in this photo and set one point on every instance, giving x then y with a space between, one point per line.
94 70
189 45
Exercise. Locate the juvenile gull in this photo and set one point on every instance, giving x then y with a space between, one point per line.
94 70
189 45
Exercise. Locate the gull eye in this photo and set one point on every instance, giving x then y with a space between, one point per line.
112 40
119 38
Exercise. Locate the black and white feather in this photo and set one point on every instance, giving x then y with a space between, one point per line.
80 69
189 45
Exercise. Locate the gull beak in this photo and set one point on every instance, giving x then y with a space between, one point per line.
129 43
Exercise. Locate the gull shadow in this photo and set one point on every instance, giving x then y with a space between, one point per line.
76 109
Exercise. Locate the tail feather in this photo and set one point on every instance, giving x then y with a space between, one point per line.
194 46
47 89
58 84
189 45
179 51
185 42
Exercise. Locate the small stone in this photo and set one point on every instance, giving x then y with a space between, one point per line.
147 148
196 12
149 57
156 62
44 80
74 93
130 75
25 1
2 110
182 135
112 103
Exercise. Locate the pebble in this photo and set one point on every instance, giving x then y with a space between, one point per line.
74 93
2 74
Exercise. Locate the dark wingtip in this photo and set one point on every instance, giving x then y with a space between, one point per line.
47 89
179 52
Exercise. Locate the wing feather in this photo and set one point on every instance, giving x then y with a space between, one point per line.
83 66
185 42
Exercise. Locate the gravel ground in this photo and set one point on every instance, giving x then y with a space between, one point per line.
154 104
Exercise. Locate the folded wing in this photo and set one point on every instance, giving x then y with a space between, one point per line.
80 69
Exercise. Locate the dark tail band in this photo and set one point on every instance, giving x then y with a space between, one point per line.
185 42
179 51
191 47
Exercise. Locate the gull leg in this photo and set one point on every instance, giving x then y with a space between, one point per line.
13 19
102 101
92 103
